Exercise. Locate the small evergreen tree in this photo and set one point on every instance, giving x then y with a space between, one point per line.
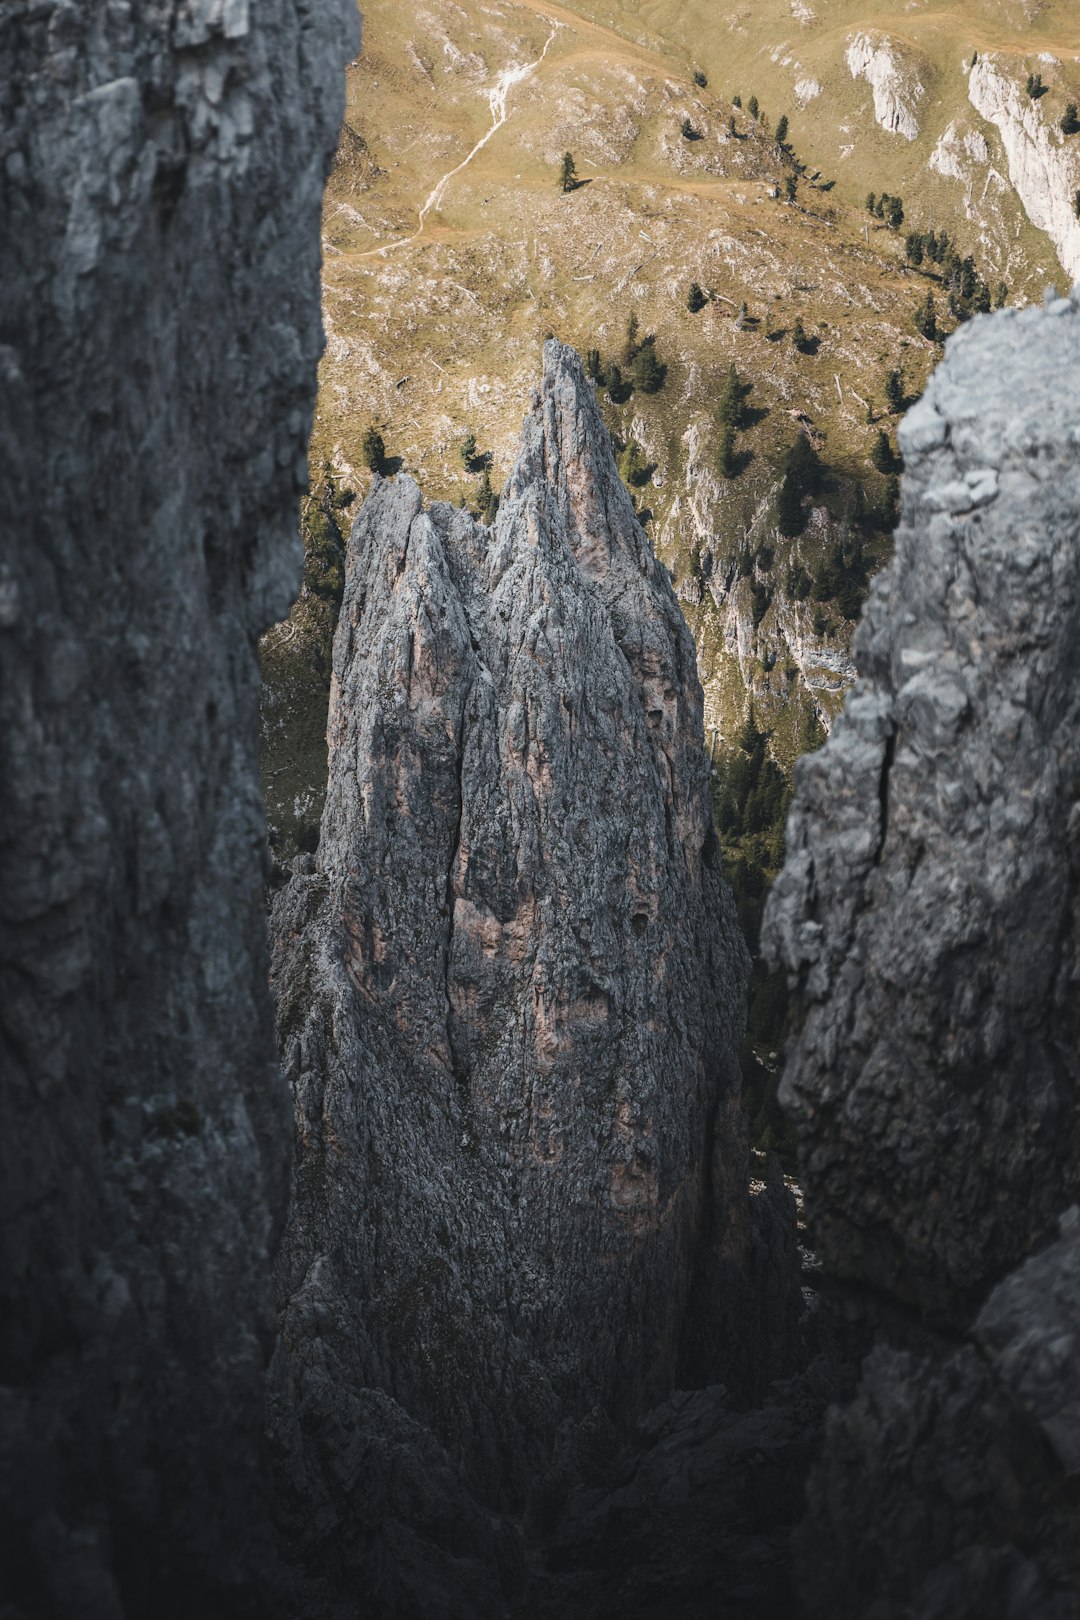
881 205
926 319
895 213
798 335
802 474
752 106
695 298
791 187
881 456
567 173
633 468
699 79
729 404
689 133
727 462
736 101
648 373
1070 123
894 392
615 385
782 129
468 451
913 249
630 341
1035 86
373 449
487 501
594 366
871 202
731 124
1001 296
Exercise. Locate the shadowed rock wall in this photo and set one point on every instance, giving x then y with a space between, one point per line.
161 171
928 913
511 991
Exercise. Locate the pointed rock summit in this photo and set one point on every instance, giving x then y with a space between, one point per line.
511 991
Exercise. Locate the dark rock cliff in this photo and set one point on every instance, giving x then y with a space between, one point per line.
511 990
161 172
928 912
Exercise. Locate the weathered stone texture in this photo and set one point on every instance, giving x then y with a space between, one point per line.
928 912
928 903
161 170
511 987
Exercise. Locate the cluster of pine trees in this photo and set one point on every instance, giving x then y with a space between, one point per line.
890 209
966 291
638 367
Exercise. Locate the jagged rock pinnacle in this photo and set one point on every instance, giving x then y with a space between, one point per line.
511 993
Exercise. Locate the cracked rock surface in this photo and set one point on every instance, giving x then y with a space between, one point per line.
511 991
161 171
928 912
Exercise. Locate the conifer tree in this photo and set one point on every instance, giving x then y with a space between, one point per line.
881 456
727 462
373 449
567 173
695 298
468 451
802 473
1070 123
752 106
648 373
729 404
630 342
894 392
926 319
781 129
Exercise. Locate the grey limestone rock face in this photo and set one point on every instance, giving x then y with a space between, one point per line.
161 172
928 905
928 912
510 992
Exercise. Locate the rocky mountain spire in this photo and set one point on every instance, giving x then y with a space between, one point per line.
511 986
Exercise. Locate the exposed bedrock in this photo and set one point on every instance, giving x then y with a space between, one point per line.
928 912
161 172
511 990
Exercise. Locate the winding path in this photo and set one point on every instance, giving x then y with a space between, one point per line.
497 98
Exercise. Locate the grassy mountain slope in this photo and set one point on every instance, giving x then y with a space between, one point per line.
446 266
451 252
